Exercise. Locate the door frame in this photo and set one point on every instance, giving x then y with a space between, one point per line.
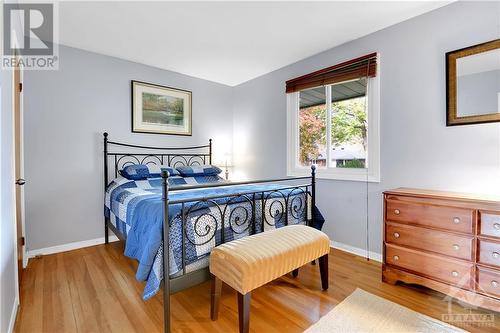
21 168
21 161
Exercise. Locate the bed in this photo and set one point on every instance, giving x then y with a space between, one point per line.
194 213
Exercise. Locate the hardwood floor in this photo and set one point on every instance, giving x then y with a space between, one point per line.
94 290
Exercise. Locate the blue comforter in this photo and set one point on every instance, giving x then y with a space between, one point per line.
135 208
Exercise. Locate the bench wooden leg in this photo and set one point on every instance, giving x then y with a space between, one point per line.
323 269
295 272
244 312
215 292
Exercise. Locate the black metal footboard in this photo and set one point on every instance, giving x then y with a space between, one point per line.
223 217
245 212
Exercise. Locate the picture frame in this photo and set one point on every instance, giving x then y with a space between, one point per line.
158 109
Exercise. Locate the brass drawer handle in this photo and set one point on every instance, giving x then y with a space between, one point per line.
397 211
495 254
494 284
496 226
454 274
456 220
456 247
396 234
395 258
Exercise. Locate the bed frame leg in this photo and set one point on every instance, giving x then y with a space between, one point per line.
323 269
106 232
166 255
106 229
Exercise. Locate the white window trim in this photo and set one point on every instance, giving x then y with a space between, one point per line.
372 174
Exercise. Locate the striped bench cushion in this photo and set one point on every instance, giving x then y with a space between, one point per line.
250 262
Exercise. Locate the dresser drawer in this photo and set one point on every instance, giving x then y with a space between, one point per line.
436 267
443 217
489 253
488 282
490 224
430 240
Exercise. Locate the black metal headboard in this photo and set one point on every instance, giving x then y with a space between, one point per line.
171 156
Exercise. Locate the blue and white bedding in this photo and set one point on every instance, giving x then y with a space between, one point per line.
135 208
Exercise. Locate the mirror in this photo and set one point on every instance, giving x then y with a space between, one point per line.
473 84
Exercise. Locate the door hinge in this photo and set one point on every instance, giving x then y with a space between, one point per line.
23 242
20 87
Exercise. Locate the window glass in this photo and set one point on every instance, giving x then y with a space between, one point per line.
349 127
312 126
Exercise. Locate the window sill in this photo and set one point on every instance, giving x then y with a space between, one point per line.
342 174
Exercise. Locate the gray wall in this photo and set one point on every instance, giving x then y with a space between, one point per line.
478 93
417 149
66 112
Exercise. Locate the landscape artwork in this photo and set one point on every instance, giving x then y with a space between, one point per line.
159 109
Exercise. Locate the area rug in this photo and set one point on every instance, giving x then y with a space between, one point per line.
365 312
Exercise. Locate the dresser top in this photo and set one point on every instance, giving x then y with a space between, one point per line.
485 198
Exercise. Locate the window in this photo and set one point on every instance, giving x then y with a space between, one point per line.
333 122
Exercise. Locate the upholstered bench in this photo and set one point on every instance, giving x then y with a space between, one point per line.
251 262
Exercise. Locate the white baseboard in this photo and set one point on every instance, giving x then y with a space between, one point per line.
69 246
356 250
13 316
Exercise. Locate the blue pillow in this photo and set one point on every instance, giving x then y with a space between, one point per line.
143 171
199 170
197 180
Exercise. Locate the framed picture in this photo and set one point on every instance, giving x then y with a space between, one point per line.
161 110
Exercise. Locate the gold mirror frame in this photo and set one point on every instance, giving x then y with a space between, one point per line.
452 119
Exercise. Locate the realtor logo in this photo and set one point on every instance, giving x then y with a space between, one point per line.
467 316
29 36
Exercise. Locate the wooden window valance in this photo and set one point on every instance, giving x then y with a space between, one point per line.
365 66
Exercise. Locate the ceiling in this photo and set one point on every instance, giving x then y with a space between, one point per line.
225 42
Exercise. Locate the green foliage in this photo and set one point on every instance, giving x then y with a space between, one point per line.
352 164
177 105
312 131
349 124
150 98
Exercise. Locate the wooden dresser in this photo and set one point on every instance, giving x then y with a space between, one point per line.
449 242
